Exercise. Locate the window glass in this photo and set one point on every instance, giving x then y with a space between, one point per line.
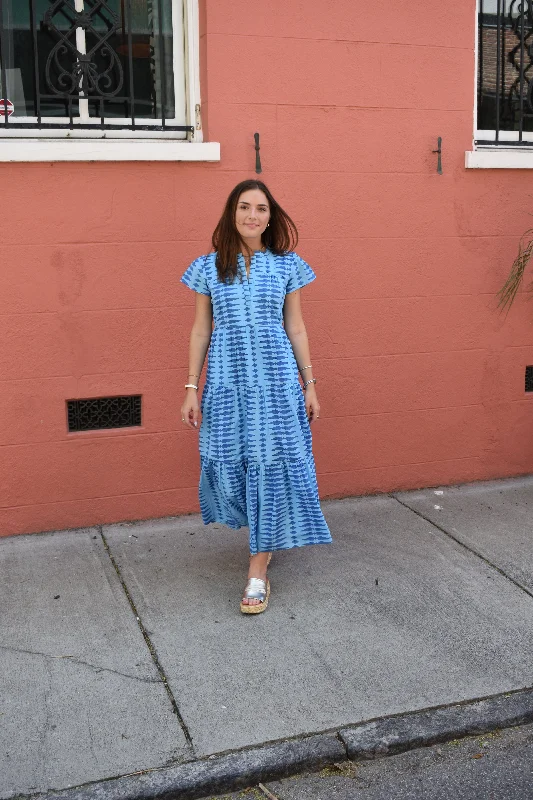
505 67
94 57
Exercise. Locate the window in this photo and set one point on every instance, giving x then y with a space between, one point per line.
505 73
99 70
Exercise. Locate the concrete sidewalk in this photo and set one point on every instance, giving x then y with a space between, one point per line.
123 648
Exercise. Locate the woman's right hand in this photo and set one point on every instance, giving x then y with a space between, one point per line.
190 408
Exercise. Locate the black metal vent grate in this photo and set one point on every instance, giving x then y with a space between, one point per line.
529 379
104 412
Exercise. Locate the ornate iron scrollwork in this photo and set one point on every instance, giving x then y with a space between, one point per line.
69 72
520 56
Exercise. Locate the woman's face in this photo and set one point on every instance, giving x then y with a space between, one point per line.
252 215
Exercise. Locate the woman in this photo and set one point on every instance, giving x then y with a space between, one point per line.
257 465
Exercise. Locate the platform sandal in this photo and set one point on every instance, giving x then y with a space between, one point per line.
256 589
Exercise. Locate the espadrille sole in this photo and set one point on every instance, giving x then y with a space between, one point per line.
258 607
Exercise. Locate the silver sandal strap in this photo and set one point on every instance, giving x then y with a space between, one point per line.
255 589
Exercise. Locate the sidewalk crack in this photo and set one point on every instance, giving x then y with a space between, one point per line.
75 660
150 646
462 544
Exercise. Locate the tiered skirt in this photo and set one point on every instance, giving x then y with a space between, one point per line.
257 464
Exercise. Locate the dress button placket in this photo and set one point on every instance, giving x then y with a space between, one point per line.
255 410
246 290
250 317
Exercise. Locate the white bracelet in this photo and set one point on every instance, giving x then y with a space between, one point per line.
192 385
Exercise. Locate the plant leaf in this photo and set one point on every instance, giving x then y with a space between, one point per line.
514 280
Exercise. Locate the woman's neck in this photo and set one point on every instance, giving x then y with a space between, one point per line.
255 247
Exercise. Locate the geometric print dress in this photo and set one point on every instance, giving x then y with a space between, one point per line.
256 460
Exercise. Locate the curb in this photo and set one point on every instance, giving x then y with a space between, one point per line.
392 735
217 774
385 736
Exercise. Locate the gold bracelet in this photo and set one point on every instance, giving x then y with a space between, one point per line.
307 367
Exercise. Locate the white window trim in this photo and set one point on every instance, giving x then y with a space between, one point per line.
18 145
498 156
17 149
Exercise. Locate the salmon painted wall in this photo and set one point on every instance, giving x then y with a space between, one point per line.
420 381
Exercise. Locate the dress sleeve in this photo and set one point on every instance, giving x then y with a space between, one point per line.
194 276
300 274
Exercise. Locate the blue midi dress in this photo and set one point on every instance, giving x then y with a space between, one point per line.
256 459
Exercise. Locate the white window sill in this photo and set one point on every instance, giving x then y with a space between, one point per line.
61 149
499 157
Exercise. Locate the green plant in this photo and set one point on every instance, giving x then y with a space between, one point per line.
511 286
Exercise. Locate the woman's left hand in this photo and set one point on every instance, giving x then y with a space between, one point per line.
312 407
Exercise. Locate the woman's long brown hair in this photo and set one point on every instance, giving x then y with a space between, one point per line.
281 235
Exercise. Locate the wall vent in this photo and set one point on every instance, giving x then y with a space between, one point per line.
104 412
529 379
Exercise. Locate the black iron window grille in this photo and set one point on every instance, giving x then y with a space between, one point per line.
104 412
529 379
505 73
92 64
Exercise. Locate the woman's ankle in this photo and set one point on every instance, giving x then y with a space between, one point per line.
258 566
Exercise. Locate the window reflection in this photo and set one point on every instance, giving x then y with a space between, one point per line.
505 69
117 55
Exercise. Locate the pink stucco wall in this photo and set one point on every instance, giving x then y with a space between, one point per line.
420 381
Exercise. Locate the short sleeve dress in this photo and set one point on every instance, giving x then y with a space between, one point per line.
256 459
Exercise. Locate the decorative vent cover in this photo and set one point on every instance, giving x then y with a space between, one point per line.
104 412
529 379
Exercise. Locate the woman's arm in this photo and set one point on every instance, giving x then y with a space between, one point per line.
201 331
297 334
